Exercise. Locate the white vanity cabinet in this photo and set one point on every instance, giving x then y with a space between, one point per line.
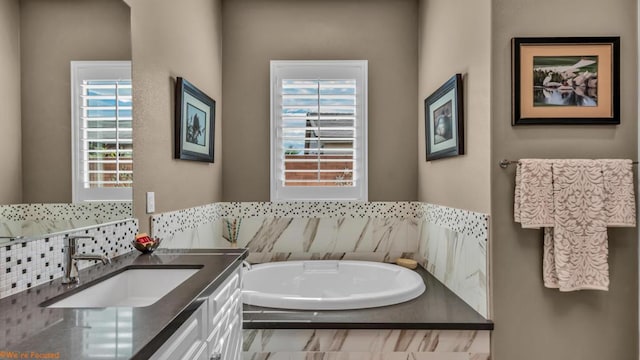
225 323
214 331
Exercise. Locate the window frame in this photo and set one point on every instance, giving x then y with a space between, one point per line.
319 70
94 70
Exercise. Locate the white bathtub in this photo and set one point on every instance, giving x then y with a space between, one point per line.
329 285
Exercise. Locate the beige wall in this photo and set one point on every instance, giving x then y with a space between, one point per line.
533 322
455 37
384 32
170 39
10 138
53 33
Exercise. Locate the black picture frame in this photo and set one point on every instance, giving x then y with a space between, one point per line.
444 120
194 137
565 80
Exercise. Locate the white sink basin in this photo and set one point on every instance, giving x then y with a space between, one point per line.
130 288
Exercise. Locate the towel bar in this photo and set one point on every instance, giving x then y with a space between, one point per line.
504 163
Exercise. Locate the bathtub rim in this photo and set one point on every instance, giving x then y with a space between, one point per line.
352 302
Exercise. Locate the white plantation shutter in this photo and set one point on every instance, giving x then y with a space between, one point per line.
318 130
102 125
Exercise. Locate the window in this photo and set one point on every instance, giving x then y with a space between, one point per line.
318 130
102 145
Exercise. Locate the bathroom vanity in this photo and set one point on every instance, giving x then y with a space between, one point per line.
200 318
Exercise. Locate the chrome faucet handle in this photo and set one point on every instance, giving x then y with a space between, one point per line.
71 264
72 274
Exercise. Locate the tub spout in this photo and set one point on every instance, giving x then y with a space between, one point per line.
246 265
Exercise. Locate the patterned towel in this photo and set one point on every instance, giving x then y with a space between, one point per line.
619 203
580 230
587 196
533 205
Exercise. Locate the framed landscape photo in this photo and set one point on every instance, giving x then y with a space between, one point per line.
444 120
195 119
566 80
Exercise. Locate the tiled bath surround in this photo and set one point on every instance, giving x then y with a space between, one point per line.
298 230
450 243
366 344
453 248
28 264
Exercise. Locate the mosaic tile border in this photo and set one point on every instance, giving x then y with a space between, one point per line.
165 225
469 223
320 209
36 262
101 211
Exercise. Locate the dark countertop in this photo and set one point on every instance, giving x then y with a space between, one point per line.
437 308
111 333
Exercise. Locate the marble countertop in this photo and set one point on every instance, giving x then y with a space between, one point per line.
437 308
110 333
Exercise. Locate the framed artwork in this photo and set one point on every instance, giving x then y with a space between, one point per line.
444 120
566 80
195 120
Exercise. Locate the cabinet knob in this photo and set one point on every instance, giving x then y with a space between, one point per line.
216 356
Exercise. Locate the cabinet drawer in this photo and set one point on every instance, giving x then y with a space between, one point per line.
187 341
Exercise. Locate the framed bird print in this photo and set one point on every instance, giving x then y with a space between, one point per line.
195 116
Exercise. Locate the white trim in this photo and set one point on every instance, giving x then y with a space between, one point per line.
95 70
320 69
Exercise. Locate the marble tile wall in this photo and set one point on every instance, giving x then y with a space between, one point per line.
28 264
453 247
450 243
366 344
367 238
379 231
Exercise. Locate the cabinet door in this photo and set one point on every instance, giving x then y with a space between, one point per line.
220 298
228 345
233 338
187 341
202 353
225 337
